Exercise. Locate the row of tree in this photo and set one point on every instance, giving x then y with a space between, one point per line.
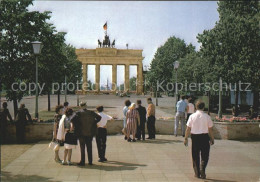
229 50
18 28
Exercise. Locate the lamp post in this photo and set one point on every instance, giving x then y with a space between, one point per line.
65 84
176 66
220 99
77 76
37 46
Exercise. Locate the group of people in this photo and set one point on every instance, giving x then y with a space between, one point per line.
184 108
135 117
22 116
83 125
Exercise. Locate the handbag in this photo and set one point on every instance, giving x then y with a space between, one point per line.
54 145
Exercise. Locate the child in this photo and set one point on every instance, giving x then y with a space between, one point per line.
101 137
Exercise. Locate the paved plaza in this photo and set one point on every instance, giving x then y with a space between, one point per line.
113 104
163 159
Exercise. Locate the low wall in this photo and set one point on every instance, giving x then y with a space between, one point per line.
232 131
237 131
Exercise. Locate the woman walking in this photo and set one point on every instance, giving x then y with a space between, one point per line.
125 109
132 117
66 134
57 118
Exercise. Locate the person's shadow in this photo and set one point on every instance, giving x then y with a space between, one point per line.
216 180
161 141
113 166
7 176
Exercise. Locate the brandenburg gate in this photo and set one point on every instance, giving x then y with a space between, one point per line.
108 55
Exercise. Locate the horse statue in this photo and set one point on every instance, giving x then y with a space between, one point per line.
106 41
99 43
113 43
108 44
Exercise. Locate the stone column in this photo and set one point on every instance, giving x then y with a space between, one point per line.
140 84
127 77
114 77
97 84
85 77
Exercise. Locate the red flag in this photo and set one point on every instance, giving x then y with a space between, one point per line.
105 26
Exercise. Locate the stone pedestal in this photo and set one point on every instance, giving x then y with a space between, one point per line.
114 77
127 86
97 83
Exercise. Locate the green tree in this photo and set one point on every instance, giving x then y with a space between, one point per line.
162 64
18 28
132 83
231 46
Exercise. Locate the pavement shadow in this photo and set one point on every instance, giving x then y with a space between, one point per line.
114 166
7 176
216 180
161 141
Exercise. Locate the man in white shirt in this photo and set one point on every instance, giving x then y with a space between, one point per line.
200 126
101 136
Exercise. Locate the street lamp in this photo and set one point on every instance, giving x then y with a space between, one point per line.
65 84
37 47
220 99
77 76
176 66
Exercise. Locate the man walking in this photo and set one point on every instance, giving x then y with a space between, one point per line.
141 128
151 119
200 126
85 123
180 116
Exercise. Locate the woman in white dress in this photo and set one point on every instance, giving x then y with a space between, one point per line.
66 134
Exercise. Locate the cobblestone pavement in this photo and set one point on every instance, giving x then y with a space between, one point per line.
163 159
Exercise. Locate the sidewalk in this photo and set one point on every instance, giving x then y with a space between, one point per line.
163 159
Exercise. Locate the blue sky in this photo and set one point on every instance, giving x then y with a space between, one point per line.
143 25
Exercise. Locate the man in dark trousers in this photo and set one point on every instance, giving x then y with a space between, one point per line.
85 123
101 137
4 114
142 114
21 120
151 119
200 126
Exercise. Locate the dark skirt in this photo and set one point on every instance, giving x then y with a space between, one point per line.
70 138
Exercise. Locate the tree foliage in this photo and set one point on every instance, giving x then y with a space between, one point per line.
18 28
164 58
232 46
